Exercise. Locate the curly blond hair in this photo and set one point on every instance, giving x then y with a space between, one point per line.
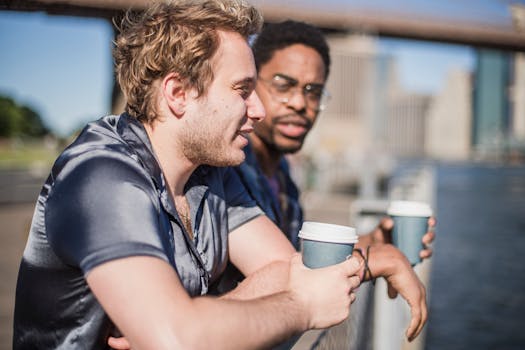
179 36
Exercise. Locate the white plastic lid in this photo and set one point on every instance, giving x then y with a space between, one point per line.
318 231
409 208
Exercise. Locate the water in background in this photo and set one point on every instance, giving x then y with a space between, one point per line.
478 277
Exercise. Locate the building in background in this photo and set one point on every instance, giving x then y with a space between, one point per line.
372 122
406 124
491 104
347 140
517 100
517 94
356 96
449 119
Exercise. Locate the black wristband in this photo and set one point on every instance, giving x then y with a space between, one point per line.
367 268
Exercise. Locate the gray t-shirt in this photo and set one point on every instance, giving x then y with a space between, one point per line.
105 199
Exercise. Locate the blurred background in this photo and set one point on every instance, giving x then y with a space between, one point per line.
428 103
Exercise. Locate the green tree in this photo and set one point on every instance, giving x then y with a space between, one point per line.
16 120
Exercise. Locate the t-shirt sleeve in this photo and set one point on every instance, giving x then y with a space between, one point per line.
241 206
102 209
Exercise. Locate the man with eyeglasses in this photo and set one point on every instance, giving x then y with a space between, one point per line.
293 62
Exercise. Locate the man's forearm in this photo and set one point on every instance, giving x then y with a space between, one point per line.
263 319
270 279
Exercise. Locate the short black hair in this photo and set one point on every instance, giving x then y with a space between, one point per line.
277 36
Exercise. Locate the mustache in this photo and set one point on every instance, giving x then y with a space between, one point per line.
293 118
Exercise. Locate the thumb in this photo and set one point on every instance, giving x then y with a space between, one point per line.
384 230
386 223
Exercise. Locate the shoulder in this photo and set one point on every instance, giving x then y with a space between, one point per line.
99 154
100 169
100 207
92 177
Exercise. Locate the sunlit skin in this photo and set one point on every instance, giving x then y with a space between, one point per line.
222 119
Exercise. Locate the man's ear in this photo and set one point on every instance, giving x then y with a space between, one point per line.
174 93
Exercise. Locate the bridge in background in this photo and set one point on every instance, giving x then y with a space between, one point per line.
335 16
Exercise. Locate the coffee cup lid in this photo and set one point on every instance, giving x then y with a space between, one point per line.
409 208
318 231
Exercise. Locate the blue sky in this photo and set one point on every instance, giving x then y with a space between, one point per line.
423 66
62 68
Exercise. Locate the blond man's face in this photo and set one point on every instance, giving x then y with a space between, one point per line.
220 121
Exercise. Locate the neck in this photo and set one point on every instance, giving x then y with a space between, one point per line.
267 157
175 166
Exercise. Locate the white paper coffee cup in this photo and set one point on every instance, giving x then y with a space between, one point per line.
326 244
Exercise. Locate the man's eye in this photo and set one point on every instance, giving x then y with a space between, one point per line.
244 91
282 87
314 92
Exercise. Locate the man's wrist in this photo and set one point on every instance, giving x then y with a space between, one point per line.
299 308
385 259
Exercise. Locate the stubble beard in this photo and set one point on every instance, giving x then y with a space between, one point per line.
272 143
272 138
200 149
289 149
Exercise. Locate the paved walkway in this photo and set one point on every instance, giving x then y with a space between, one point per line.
14 225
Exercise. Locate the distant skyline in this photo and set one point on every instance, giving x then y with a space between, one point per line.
62 66
423 66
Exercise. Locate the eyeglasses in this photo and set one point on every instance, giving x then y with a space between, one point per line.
283 88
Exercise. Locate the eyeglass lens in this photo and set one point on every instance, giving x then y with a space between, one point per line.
284 88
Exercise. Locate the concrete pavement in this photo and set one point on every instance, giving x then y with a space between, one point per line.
15 221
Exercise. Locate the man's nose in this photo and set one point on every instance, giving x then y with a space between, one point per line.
255 108
297 100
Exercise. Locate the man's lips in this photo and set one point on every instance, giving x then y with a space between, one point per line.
245 131
292 126
291 129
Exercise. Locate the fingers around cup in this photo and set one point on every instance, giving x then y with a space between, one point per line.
428 237
386 223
